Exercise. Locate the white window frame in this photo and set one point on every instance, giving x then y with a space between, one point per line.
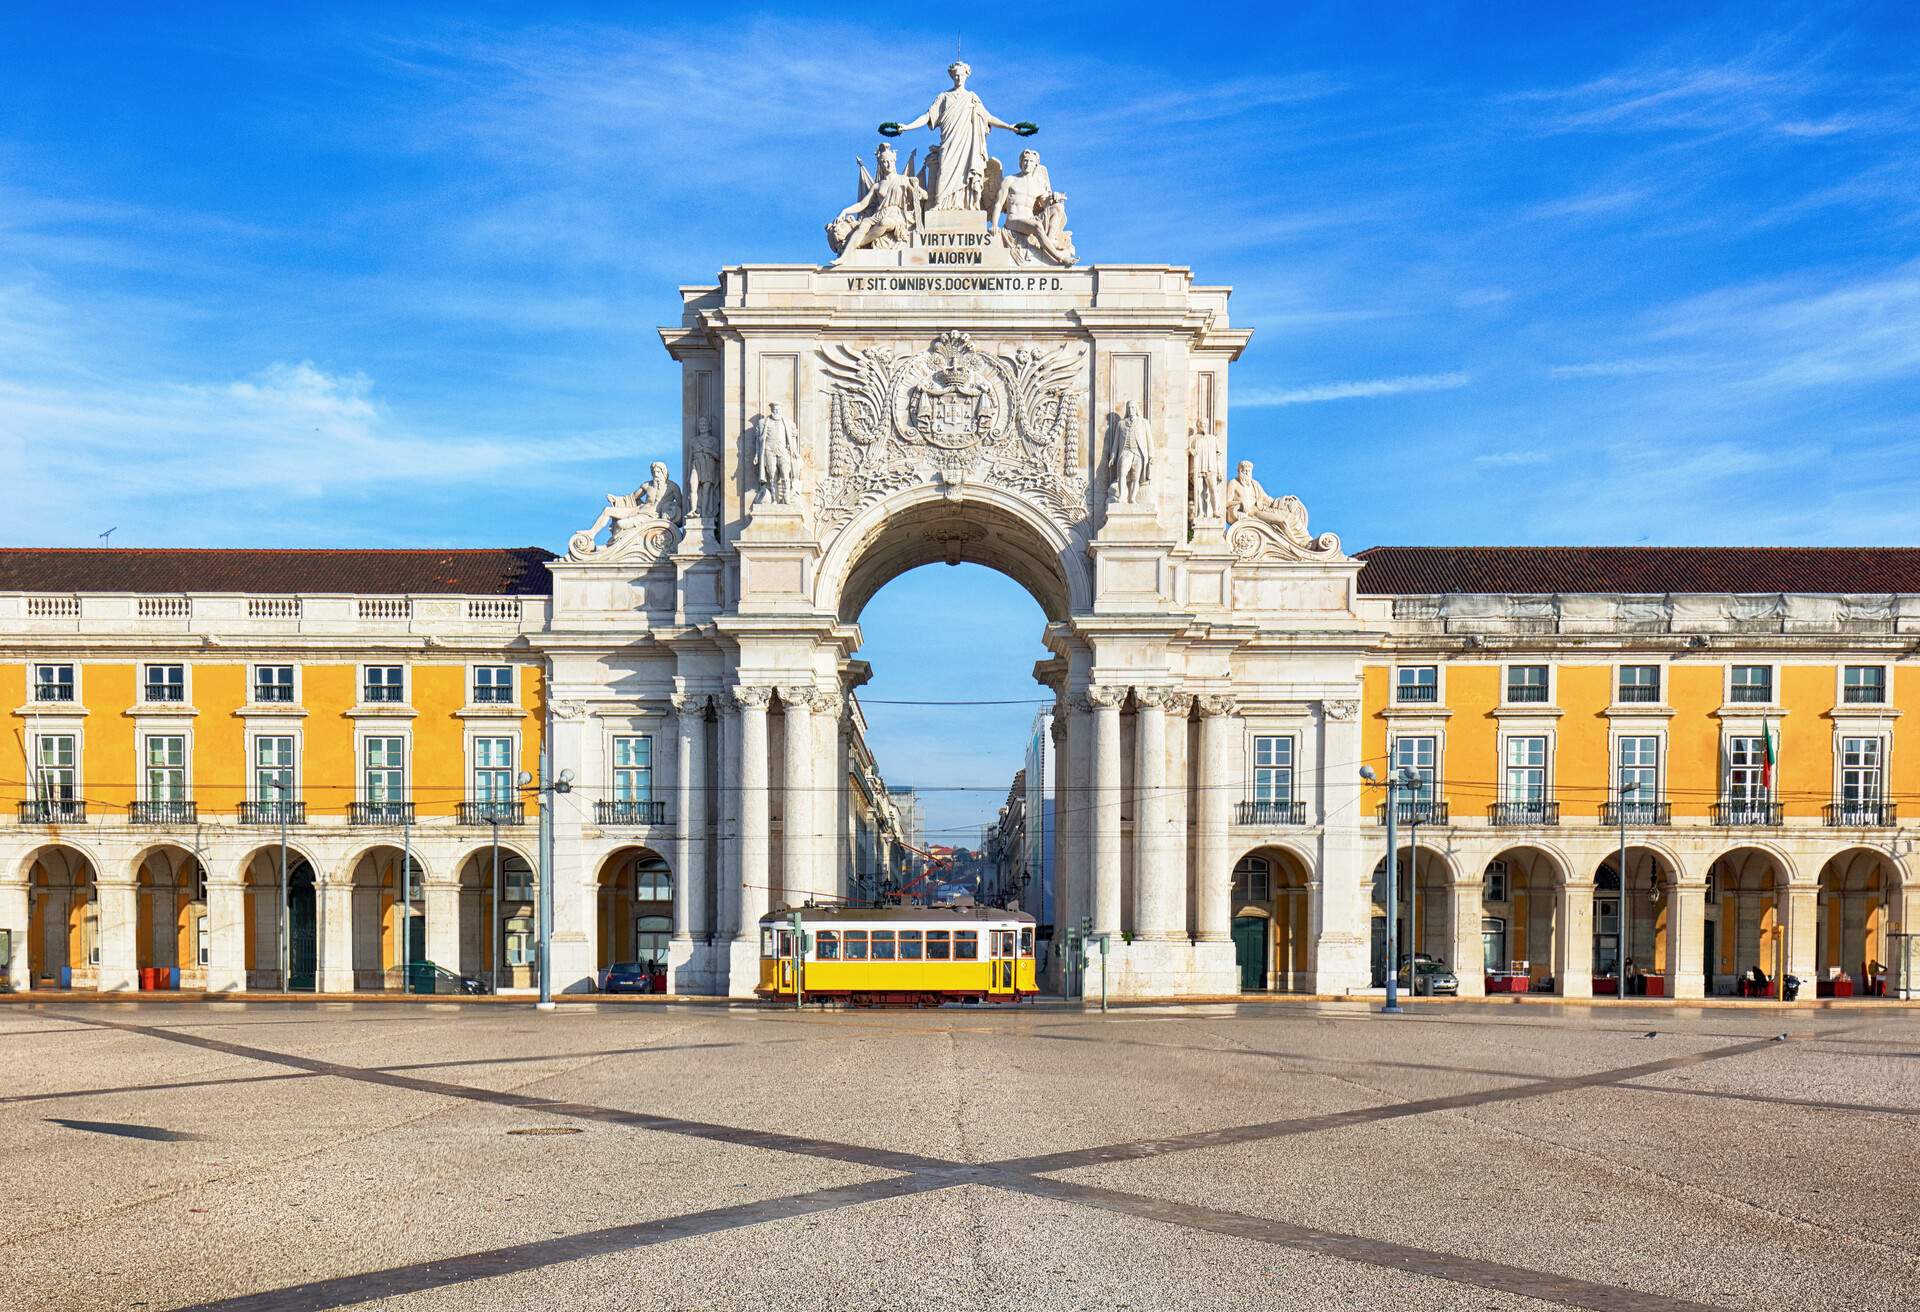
362 764
1439 689
513 683
186 683
254 684
34 683
406 682
1882 746
1660 672
35 790
1432 793
1886 684
1729 765
511 769
1547 688
614 767
1501 891
149 736
1507 741
1617 764
1291 768
1773 682
254 791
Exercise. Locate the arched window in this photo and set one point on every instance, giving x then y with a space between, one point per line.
1253 880
652 880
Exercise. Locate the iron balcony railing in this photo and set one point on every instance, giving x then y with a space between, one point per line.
1274 813
1636 813
1416 692
273 813
1523 814
381 692
53 692
53 811
380 813
1639 692
1415 811
1759 693
1738 811
272 692
1526 692
163 813
1859 813
488 692
630 813
493 813
164 692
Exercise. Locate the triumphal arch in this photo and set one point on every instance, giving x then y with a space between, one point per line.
956 383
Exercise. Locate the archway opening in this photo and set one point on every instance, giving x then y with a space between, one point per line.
379 917
1632 938
1853 954
1423 913
1271 920
170 915
636 890
63 919
270 911
1520 920
498 917
1747 910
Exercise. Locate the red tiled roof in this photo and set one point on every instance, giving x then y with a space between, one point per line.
490 571
1402 571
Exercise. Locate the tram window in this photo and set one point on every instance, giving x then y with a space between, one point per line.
854 943
1026 942
909 945
939 946
786 942
766 942
826 945
966 945
883 945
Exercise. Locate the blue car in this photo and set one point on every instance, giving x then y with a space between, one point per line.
629 977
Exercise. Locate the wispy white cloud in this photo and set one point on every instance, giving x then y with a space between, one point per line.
1512 459
1622 368
1351 389
1589 204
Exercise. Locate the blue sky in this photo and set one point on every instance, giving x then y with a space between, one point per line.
384 275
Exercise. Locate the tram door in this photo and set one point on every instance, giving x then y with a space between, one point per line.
1005 961
784 950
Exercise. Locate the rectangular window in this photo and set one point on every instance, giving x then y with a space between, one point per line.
909 945
53 683
166 768
1026 942
492 683
164 683
1416 683
1273 769
1746 760
1526 778
1526 683
273 684
939 945
517 877
883 945
1860 771
200 939
385 683
633 769
520 941
826 945
493 769
1417 755
1864 685
854 942
1495 889
273 768
56 777
1253 880
386 769
966 945
1639 683
1753 683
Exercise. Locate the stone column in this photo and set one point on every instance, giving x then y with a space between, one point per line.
14 916
688 723
832 856
442 904
226 936
1343 918
1468 951
576 911
1686 939
1213 884
1573 929
118 918
334 945
1156 876
726 861
1803 936
797 839
755 813
1103 810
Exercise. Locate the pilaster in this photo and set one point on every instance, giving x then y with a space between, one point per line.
1104 808
1467 951
335 935
1157 878
226 936
118 918
1573 930
796 796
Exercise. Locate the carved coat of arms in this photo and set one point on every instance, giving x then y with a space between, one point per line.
953 412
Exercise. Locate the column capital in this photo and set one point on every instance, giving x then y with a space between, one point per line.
828 702
1100 696
1180 704
1213 704
1154 699
753 696
1057 727
796 697
689 701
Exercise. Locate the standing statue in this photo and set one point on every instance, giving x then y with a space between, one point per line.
1204 475
658 501
1129 455
776 456
887 213
1036 214
963 123
703 471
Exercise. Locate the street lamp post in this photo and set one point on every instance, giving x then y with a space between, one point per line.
1396 780
493 919
546 788
279 787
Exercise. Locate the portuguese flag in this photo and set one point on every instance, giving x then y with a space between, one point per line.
1767 756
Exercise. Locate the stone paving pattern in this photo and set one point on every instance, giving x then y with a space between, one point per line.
299 1156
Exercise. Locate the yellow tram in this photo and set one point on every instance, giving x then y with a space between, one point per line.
922 956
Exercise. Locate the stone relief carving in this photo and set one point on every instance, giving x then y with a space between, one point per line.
887 213
744 695
1261 528
951 413
1099 695
960 172
643 525
797 695
703 471
1204 474
1179 705
1218 704
1343 709
828 702
565 710
776 457
1129 461
1034 215
1152 697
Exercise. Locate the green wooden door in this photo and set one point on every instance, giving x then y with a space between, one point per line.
300 930
1250 950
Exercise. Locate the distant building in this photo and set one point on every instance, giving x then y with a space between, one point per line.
913 820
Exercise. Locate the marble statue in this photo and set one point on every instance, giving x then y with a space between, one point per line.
703 471
1204 476
1129 455
656 504
1260 527
887 213
962 123
776 456
1035 214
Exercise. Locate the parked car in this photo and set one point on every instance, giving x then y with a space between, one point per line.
1433 977
629 977
426 977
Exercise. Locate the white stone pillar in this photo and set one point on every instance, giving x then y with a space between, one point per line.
1573 928
797 839
687 723
226 936
726 862
1803 936
1213 886
1343 919
1155 874
443 924
832 853
1065 909
1686 939
14 917
1468 951
576 903
1103 809
118 918
755 813
334 948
